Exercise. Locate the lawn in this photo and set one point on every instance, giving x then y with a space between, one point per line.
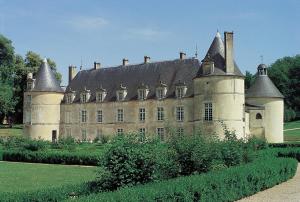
292 131
18 177
16 130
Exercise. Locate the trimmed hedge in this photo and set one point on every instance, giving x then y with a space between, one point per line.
225 185
284 145
52 157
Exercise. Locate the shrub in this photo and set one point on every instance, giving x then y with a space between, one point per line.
35 145
225 185
284 145
256 143
67 143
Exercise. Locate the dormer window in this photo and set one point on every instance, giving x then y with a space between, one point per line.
180 89
143 91
100 94
121 93
69 96
85 96
161 91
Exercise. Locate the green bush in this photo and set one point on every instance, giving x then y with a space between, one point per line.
67 143
284 145
35 145
52 157
226 185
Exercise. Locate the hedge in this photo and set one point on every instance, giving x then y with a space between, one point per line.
226 185
52 157
284 145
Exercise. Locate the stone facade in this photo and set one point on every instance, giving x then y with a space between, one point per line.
156 98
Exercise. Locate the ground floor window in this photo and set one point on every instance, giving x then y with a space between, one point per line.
208 111
142 134
160 133
180 131
68 132
120 131
83 134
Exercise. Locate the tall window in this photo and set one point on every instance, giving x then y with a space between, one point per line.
120 115
68 132
120 131
142 114
160 113
99 133
142 133
83 134
29 99
179 113
83 116
83 97
179 131
161 133
208 111
28 117
142 94
68 117
99 116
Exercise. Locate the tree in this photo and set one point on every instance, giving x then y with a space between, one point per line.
6 51
249 79
7 99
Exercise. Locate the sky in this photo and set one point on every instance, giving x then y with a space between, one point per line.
83 31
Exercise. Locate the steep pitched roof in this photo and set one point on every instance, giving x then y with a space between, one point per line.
45 79
132 76
263 87
216 52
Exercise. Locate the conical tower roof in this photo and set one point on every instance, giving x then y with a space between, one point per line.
216 52
263 87
45 79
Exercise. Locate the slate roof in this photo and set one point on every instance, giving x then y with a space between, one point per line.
216 52
45 80
133 76
263 87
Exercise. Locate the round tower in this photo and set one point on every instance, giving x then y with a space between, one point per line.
219 97
42 105
263 92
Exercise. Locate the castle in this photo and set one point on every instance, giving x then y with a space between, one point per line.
152 97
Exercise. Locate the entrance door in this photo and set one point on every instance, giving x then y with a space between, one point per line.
54 136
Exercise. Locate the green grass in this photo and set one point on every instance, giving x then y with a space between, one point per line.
16 130
292 135
19 177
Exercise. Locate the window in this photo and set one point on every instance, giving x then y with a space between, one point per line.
69 99
258 116
208 112
142 114
142 94
100 96
160 113
161 133
179 113
179 131
83 134
29 99
68 117
83 97
120 131
120 115
180 91
83 116
28 117
99 133
120 96
160 93
142 133
68 132
99 116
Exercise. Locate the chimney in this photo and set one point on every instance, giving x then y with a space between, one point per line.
125 61
229 63
97 65
182 55
72 72
146 59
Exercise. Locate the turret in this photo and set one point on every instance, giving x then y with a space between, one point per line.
264 93
219 90
42 105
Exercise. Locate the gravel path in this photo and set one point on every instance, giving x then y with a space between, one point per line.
287 191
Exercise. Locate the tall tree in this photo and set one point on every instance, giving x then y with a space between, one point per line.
249 78
6 52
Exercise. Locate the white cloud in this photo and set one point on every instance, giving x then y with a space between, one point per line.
87 22
148 33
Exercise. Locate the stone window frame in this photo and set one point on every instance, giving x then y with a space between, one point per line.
142 114
120 115
99 116
160 114
208 111
179 113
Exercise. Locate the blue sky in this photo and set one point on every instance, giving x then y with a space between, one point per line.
107 31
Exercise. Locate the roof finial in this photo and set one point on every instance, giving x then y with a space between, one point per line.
80 63
45 60
218 33
196 53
